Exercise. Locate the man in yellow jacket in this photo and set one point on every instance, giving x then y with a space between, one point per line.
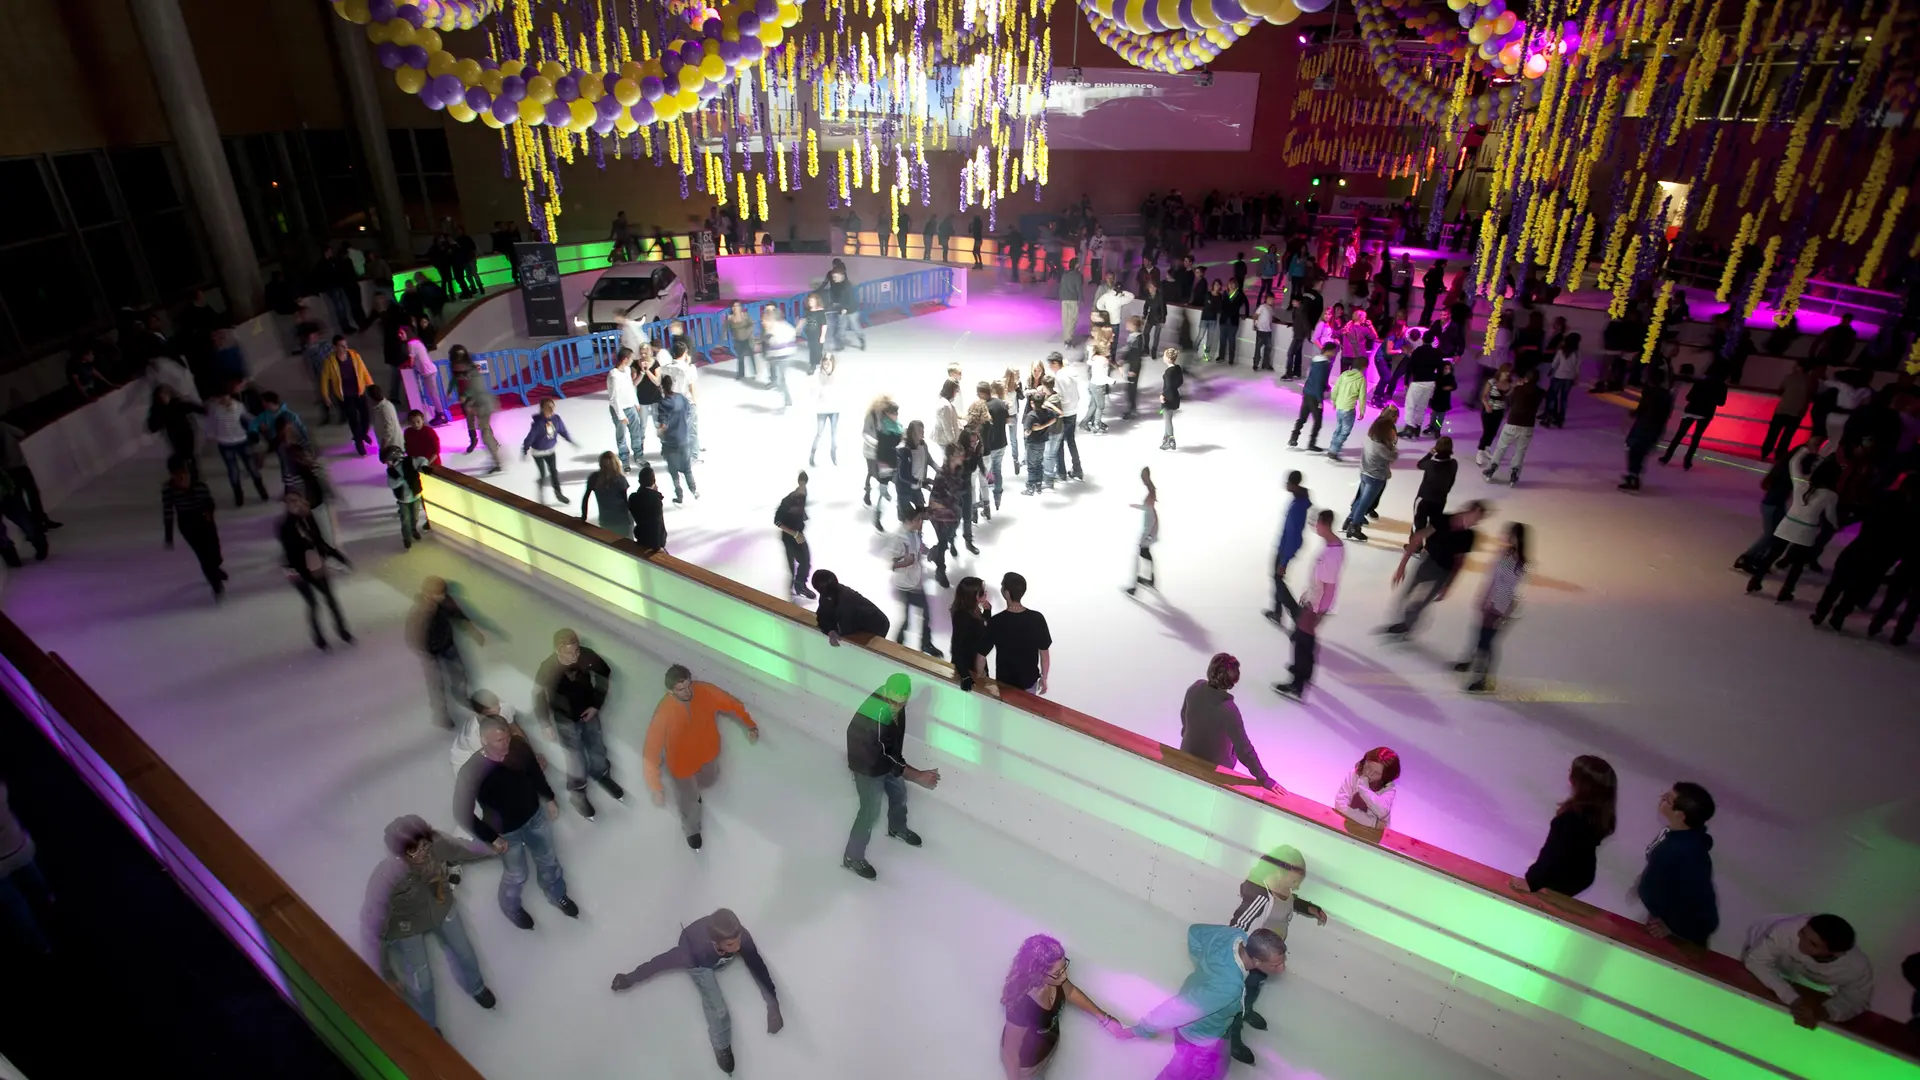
685 734
344 380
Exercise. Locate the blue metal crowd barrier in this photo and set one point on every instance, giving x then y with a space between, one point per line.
556 363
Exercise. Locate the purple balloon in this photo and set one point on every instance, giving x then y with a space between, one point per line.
651 88
415 56
412 14
607 107
558 114
707 91
566 88
751 48
447 89
506 111
380 10
730 52
610 80
512 88
391 55
769 10
488 63
642 112
603 126
478 99
670 63
749 25
710 28
692 53
433 103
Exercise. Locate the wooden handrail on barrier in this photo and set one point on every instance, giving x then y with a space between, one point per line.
340 972
1719 967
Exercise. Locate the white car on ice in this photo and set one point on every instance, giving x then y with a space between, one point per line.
632 292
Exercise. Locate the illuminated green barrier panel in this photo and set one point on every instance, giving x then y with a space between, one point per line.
1673 1014
496 270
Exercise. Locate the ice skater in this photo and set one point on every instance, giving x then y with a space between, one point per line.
571 687
1035 991
876 737
1497 601
1149 507
186 503
1442 547
306 553
503 799
1211 998
410 898
706 945
684 736
1268 900
1312 607
431 627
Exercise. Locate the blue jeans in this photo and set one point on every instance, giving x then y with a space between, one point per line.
1365 500
714 1005
235 457
1558 391
1770 515
586 746
1056 439
407 961
679 467
534 841
1342 427
995 460
846 327
869 789
628 432
430 395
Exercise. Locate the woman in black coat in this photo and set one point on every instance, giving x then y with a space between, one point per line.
647 508
1568 860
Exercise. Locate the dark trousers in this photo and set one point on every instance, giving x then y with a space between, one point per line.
1780 431
743 356
1255 980
1638 447
1229 339
1293 352
23 479
1797 557
205 545
1480 657
1133 397
546 469
1905 590
1306 647
1309 407
1282 596
1699 427
447 684
1857 574
238 458
1427 511
1490 425
1068 449
799 559
1430 578
911 599
1263 350
359 417
312 589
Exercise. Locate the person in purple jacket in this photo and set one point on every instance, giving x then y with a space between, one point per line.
706 945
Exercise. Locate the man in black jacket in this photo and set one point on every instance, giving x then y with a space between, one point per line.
1134 354
790 517
706 945
876 737
430 629
843 611
306 552
570 688
1432 287
505 783
1677 885
978 231
1307 306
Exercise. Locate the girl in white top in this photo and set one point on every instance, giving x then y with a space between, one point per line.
1149 532
1808 509
824 389
1366 795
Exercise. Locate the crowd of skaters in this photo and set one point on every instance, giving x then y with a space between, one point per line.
968 482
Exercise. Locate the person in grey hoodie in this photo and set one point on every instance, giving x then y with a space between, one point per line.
409 899
1210 724
706 945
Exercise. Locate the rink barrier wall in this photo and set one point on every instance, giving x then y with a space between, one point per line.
360 1018
1540 956
549 367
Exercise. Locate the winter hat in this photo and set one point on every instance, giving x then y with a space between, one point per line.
899 686
404 832
1285 859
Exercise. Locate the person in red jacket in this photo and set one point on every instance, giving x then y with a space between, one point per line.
421 442
685 735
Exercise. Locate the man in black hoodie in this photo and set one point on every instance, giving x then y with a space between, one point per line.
876 748
1677 885
706 945
1704 398
843 611
1307 307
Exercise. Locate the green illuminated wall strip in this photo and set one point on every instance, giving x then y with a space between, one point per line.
1673 1014
495 271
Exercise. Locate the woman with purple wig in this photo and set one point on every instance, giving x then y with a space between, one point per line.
1037 988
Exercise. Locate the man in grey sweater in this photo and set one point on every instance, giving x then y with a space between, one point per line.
409 899
1210 724
1072 285
707 945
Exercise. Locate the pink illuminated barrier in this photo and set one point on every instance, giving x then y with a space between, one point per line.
361 1019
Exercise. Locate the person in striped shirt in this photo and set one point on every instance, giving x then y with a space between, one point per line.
187 504
1267 900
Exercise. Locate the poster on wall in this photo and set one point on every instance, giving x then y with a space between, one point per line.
704 266
1129 109
541 298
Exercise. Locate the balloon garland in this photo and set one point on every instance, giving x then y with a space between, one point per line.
1174 36
601 89
1432 103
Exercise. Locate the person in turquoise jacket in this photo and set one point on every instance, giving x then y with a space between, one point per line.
1200 1014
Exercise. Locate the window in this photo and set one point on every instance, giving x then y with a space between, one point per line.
44 287
85 189
173 253
30 211
114 267
145 180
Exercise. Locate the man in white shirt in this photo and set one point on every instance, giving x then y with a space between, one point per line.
908 555
946 420
1810 963
1263 336
623 407
680 365
1315 603
1073 400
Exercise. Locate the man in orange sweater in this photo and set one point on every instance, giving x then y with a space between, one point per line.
685 734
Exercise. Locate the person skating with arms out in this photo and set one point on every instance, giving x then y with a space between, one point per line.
707 945
684 737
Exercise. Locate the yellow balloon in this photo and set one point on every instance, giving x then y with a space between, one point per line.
1480 33
632 70
709 47
1505 22
378 32
592 88
653 68
355 11
459 111
532 113
440 63
626 91
490 82
666 108
427 39
713 67
488 119
409 79
789 14
583 112
539 90
691 79
400 32
512 67
689 101
467 71
771 35
625 124
552 69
